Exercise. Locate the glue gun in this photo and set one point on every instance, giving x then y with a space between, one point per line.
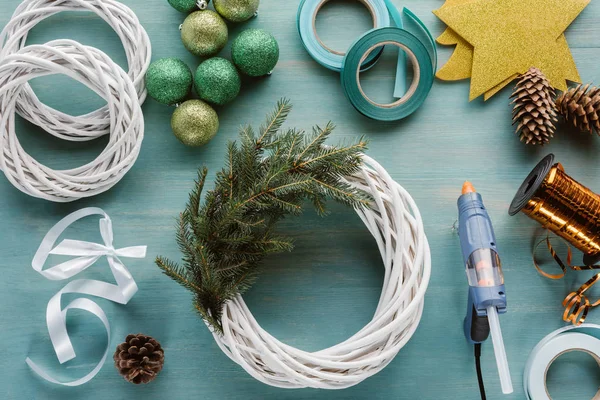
487 297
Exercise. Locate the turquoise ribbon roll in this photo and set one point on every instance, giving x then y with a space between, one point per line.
409 34
416 94
327 57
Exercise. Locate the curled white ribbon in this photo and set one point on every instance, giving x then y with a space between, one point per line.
86 254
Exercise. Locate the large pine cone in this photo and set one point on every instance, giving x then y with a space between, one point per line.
139 359
582 106
534 110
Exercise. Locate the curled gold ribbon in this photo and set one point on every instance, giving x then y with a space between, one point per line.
577 305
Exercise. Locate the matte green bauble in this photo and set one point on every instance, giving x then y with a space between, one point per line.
169 81
217 81
236 10
204 33
194 123
255 52
187 6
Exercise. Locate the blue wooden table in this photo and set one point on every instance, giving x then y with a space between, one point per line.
327 289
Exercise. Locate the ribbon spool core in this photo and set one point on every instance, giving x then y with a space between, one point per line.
314 23
416 74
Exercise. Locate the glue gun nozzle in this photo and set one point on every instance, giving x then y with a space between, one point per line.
468 188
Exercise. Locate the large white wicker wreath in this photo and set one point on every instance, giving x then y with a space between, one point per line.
394 221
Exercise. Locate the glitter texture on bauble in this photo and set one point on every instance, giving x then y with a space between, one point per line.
217 81
255 52
184 6
204 33
236 10
194 123
169 81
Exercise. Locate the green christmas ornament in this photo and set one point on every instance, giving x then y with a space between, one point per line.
255 52
187 6
236 10
204 33
194 123
217 81
169 80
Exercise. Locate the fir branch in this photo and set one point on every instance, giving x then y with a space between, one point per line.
319 136
225 238
275 120
176 273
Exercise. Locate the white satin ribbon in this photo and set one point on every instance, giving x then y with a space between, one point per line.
86 254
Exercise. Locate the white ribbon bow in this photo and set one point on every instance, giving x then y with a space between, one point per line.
86 254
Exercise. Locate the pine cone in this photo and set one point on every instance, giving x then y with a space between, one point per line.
582 106
139 359
534 110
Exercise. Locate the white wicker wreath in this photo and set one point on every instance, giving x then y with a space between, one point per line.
97 71
135 42
395 223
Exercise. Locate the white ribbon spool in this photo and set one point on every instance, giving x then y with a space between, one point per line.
97 71
86 254
395 223
583 338
135 42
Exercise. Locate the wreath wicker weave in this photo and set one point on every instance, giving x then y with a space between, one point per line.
126 25
97 71
395 223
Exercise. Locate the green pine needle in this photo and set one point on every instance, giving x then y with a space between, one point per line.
267 176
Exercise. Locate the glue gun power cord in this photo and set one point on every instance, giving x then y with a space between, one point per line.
478 367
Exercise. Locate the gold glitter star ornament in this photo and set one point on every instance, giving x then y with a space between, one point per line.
509 37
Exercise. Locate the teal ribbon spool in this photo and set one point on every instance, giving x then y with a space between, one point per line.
422 74
409 34
329 58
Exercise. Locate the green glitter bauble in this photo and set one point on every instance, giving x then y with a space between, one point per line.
184 6
169 80
204 33
236 10
255 52
217 81
194 123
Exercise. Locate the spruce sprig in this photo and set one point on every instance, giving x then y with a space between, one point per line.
267 176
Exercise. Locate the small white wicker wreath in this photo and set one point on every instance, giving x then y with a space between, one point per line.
135 42
97 71
395 223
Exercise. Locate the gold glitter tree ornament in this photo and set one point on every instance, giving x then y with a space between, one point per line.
534 110
507 38
204 33
237 10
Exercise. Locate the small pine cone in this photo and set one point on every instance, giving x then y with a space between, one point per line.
139 359
582 106
534 108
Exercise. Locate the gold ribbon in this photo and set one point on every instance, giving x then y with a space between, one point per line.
577 305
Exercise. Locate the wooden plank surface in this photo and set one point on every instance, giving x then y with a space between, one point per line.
328 288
